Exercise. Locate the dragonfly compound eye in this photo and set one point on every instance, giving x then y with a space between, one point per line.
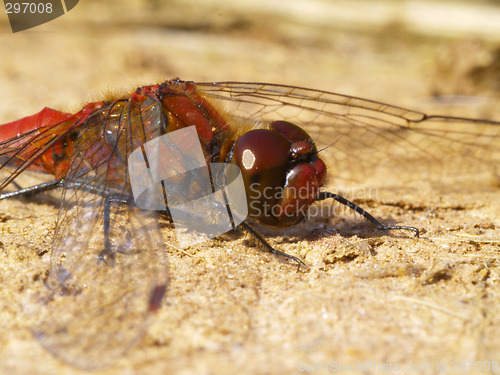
281 172
262 156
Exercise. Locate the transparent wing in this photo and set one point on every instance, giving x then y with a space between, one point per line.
371 139
23 152
108 269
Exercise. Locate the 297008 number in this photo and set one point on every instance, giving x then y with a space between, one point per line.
474 366
33 8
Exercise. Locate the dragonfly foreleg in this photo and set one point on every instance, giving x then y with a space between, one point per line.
366 215
264 245
29 191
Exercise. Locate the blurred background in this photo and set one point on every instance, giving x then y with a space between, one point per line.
440 57
426 54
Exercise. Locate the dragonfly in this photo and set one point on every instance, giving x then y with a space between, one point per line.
109 272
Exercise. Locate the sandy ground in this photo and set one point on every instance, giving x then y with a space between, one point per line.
368 297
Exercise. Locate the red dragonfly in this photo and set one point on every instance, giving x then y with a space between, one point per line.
108 257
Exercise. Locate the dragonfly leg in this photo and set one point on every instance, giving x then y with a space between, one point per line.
18 187
366 215
107 255
266 247
33 189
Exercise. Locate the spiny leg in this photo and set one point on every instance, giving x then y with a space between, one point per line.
366 215
54 184
107 253
266 247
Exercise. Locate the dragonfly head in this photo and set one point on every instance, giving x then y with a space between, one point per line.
281 171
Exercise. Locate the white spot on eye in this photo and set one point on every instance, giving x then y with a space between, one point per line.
248 159
108 131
